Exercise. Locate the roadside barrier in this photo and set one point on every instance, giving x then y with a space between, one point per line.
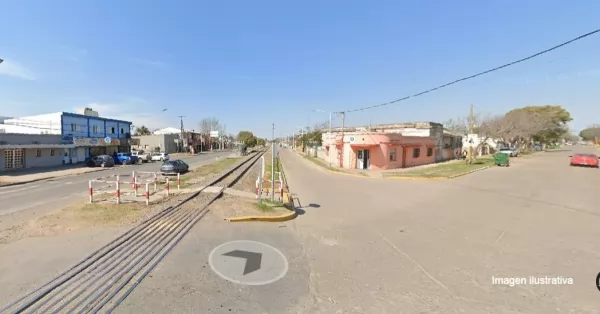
123 188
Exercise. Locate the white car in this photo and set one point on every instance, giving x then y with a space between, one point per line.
512 152
142 156
160 157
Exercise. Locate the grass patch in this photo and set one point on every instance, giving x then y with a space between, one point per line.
444 170
209 169
268 206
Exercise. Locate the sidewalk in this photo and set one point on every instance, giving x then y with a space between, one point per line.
36 174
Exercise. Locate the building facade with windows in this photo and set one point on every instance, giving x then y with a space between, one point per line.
90 134
377 150
19 151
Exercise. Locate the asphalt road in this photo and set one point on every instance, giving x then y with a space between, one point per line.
368 245
365 245
37 198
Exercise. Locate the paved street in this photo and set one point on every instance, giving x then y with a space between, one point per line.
365 245
372 246
34 199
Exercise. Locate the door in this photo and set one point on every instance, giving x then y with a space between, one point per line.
14 159
81 154
366 159
404 152
359 159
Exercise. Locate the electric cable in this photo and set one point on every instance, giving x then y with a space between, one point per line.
478 74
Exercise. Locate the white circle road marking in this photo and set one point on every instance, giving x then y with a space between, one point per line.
275 269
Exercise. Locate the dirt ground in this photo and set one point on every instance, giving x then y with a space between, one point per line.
231 206
104 213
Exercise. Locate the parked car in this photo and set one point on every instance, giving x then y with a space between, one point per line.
101 161
585 160
125 159
160 157
142 156
512 152
174 167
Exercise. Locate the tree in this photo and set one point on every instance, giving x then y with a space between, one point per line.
142 130
458 126
247 138
211 124
548 122
592 133
260 142
323 126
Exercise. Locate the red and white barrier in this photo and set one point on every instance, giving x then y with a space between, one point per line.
91 192
147 194
178 181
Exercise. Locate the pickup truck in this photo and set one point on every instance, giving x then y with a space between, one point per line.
142 156
126 159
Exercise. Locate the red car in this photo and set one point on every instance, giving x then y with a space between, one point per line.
586 160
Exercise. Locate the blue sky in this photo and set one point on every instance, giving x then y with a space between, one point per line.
252 63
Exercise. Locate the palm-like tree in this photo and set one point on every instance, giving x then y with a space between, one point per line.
142 130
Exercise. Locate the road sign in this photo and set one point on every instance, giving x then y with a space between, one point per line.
107 140
248 262
214 133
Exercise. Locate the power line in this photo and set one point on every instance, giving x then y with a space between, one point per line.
480 73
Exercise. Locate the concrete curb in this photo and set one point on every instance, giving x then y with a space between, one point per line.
279 218
7 184
468 172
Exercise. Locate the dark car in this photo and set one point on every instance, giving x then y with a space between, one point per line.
101 161
174 167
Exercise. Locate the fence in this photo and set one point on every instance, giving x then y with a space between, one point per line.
261 180
138 179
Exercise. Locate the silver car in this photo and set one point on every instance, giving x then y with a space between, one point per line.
174 167
512 152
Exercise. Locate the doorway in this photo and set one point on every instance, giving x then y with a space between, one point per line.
363 159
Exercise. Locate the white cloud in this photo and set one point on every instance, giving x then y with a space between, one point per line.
131 110
15 69
153 63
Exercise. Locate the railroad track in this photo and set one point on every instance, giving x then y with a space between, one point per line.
104 279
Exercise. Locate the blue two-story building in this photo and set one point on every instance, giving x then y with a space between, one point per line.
90 134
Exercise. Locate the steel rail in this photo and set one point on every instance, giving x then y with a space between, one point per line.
127 249
181 233
146 225
201 214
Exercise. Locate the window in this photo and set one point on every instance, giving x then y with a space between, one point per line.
52 152
38 153
393 154
416 152
429 151
95 129
122 130
112 130
73 127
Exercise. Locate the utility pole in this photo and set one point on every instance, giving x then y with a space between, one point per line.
343 114
181 135
273 166
471 140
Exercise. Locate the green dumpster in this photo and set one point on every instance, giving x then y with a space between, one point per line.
501 159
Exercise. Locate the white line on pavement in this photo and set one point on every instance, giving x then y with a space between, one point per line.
17 190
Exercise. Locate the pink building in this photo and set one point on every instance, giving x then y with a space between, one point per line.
377 150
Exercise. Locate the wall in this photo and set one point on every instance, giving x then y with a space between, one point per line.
24 139
46 160
75 126
46 123
2 160
166 142
421 143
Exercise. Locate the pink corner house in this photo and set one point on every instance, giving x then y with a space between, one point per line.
378 151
